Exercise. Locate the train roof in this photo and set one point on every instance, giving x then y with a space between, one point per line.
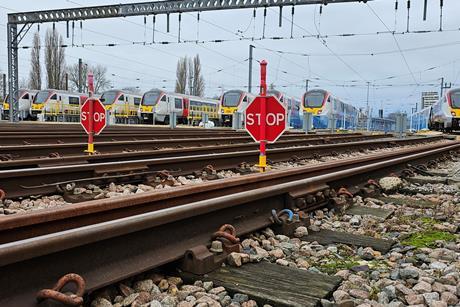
63 92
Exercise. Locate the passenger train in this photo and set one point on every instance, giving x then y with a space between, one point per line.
324 107
56 104
157 105
231 102
445 114
122 105
293 106
25 100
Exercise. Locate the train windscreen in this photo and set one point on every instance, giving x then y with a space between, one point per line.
314 99
231 99
109 97
150 98
455 99
41 97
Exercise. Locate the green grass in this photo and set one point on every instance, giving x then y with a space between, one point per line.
427 238
334 265
428 221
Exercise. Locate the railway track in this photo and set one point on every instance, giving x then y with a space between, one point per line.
35 155
116 244
47 179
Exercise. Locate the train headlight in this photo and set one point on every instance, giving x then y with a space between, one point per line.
319 111
453 113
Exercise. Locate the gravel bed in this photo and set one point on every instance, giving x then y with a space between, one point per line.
10 206
157 290
421 269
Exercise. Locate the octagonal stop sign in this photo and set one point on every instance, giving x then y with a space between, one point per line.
275 118
98 116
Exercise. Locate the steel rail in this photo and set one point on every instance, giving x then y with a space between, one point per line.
17 155
108 252
35 223
81 138
32 181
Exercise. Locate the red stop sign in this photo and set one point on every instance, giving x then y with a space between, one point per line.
275 118
98 116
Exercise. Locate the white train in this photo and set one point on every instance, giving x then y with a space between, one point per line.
122 105
52 105
234 101
445 114
25 100
157 105
294 111
324 106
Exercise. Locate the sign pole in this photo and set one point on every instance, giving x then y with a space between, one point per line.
91 114
263 115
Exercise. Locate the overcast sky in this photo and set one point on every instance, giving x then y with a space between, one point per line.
398 67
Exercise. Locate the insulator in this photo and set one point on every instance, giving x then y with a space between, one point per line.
167 22
280 23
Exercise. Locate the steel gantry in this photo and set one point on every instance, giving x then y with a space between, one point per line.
27 19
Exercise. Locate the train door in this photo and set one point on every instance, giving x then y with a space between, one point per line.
178 106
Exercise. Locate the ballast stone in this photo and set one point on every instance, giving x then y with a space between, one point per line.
390 183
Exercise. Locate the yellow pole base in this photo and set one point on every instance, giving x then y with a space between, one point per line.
90 149
262 163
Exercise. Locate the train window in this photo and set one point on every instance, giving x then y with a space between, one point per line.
121 98
177 103
231 99
54 97
26 96
314 99
455 99
74 100
137 101
163 98
245 99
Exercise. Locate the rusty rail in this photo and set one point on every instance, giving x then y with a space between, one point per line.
107 252
54 154
32 181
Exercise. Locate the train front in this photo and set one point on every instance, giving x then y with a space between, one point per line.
148 105
453 97
230 103
110 98
38 104
314 102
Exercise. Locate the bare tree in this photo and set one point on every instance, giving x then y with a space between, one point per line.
181 75
190 76
197 88
54 59
101 82
35 75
